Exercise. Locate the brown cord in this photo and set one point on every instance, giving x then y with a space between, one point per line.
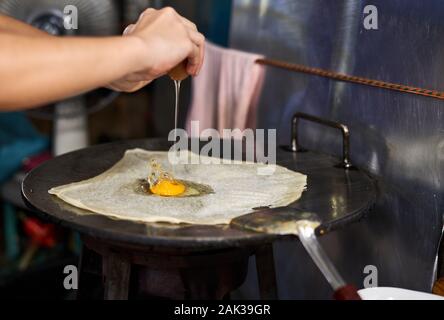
352 79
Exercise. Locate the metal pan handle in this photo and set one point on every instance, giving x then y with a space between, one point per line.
296 147
348 292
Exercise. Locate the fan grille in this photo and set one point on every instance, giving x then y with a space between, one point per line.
96 17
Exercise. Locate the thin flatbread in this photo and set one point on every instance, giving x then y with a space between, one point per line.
238 189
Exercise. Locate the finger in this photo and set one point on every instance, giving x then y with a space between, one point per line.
199 40
193 60
196 39
202 58
146 12
145 15
129 29
189 24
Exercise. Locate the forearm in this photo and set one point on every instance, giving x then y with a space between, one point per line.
36 70
13 26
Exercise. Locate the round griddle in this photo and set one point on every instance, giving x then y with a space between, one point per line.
338 196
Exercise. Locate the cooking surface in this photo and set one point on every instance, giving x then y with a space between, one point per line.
337 196
234 189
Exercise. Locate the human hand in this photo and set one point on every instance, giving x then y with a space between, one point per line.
165 39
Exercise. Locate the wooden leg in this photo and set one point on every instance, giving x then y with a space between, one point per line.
90 271
266 273
438 287
116 272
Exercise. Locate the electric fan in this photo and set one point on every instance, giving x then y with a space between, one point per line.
95 18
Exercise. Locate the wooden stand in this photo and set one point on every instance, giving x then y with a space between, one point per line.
163 273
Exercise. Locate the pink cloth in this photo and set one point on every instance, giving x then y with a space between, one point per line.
226 93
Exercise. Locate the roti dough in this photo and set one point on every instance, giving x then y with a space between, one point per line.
238 189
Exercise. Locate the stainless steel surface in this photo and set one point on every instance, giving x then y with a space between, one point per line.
398 137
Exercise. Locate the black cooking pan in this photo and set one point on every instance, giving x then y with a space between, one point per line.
339 195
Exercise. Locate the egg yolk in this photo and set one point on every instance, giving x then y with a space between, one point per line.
168 188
